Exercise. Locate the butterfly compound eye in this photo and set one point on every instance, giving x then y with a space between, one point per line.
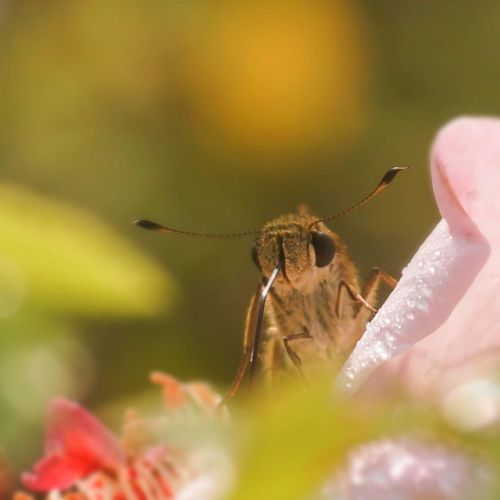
255 256
324 248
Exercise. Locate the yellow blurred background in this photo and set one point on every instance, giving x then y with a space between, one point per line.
212 117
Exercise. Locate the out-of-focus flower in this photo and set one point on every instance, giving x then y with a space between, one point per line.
405 469
85 460
77 444
275 79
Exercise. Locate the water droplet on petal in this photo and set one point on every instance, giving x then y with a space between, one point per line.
410 302
421 303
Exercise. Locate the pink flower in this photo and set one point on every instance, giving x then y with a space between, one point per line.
438 334
444 312
81 454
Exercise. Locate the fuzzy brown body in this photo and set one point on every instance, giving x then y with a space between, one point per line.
307 307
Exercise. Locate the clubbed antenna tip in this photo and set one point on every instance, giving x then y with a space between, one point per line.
147 224
384 182
390 174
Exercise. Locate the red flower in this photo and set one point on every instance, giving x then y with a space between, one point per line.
77 445
82 456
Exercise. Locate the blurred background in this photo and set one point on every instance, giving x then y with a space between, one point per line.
206 116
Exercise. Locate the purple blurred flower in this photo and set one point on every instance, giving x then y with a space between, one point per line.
405 469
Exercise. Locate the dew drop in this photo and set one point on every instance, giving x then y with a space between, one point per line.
421 303
381 351
390 310
410 302
384 355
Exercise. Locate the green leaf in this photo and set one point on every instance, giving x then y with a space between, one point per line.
295 441
61 259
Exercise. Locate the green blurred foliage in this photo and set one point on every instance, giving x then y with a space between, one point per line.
58 263
208 116
291 444
64 260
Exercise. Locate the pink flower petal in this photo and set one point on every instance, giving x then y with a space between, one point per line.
77 444
407 469
444 310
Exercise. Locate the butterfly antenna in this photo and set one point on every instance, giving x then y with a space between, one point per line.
154 226
388 177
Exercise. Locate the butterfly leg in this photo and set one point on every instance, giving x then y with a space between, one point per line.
363 309
294 357
369 292
354 294
372 284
